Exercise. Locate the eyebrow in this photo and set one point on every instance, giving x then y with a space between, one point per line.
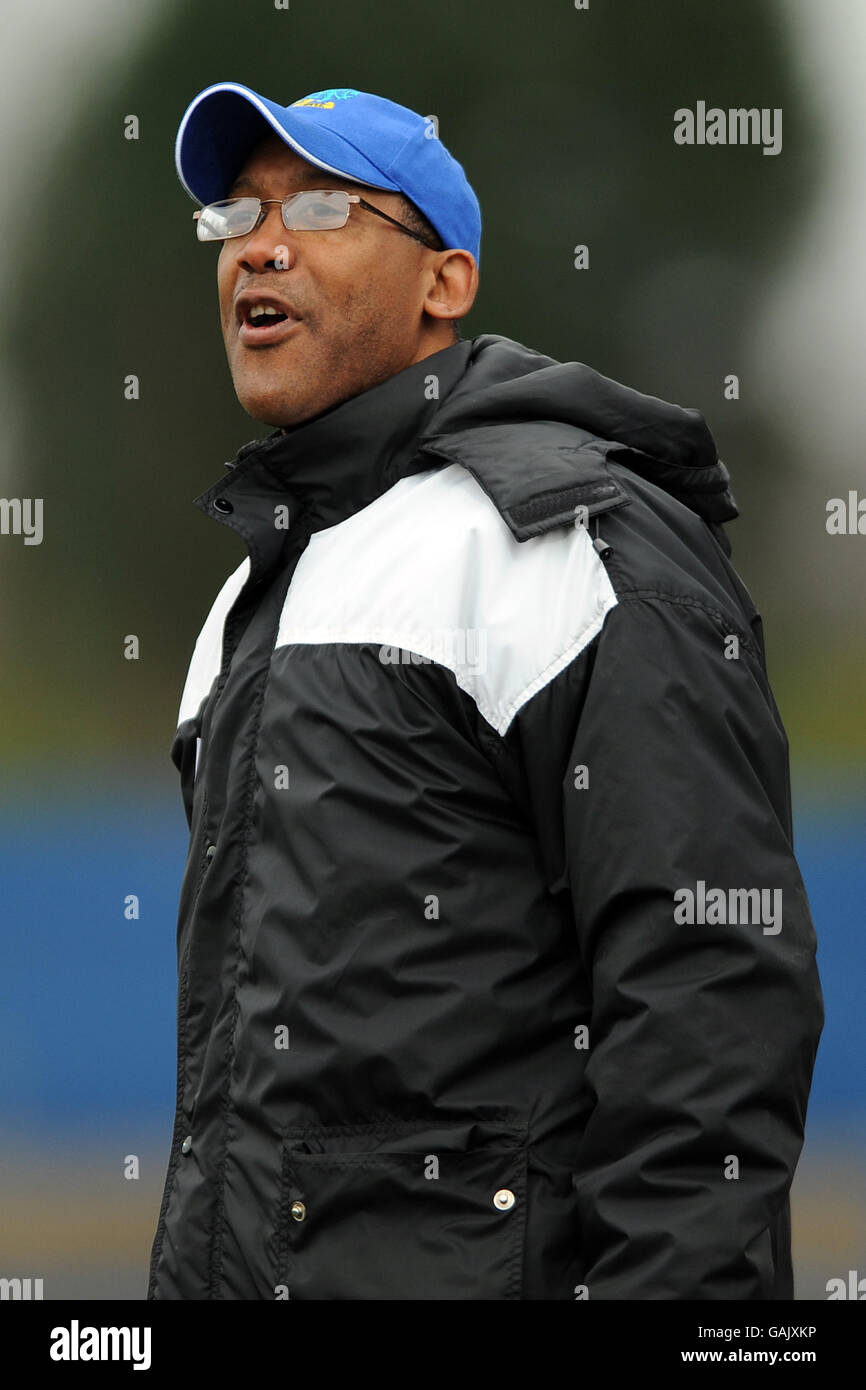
312 178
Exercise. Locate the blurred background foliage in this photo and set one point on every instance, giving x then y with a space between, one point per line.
563 120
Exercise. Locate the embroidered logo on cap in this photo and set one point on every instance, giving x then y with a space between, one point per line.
328 98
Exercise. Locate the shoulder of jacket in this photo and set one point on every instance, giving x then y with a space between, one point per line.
542 476
539 474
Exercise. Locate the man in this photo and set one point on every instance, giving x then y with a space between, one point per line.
497 973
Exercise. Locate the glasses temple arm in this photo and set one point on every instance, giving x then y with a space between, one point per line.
393 220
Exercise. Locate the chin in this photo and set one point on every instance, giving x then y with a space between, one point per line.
272 417
278 398
268 407
262 414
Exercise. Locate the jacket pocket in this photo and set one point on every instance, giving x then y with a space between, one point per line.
410 1210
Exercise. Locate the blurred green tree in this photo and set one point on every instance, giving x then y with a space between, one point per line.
563 119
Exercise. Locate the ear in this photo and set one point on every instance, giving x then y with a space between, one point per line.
453 285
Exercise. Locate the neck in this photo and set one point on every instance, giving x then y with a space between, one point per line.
332 466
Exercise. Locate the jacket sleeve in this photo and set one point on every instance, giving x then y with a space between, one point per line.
656 770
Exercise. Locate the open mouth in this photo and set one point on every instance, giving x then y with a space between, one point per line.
264 316
262 323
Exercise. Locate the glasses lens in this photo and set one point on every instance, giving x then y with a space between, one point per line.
233 217
316 212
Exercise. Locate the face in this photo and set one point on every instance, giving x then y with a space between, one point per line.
354 296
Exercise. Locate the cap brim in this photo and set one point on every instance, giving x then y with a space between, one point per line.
223 124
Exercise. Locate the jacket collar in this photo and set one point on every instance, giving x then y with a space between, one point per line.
332 466
537 435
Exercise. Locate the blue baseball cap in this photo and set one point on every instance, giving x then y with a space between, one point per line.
366 138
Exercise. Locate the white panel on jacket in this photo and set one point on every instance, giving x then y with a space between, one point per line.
431 567
204 667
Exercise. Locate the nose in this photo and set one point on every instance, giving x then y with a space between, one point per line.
267 246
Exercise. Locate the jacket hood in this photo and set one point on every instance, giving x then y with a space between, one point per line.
578 419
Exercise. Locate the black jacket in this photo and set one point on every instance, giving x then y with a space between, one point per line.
497 972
